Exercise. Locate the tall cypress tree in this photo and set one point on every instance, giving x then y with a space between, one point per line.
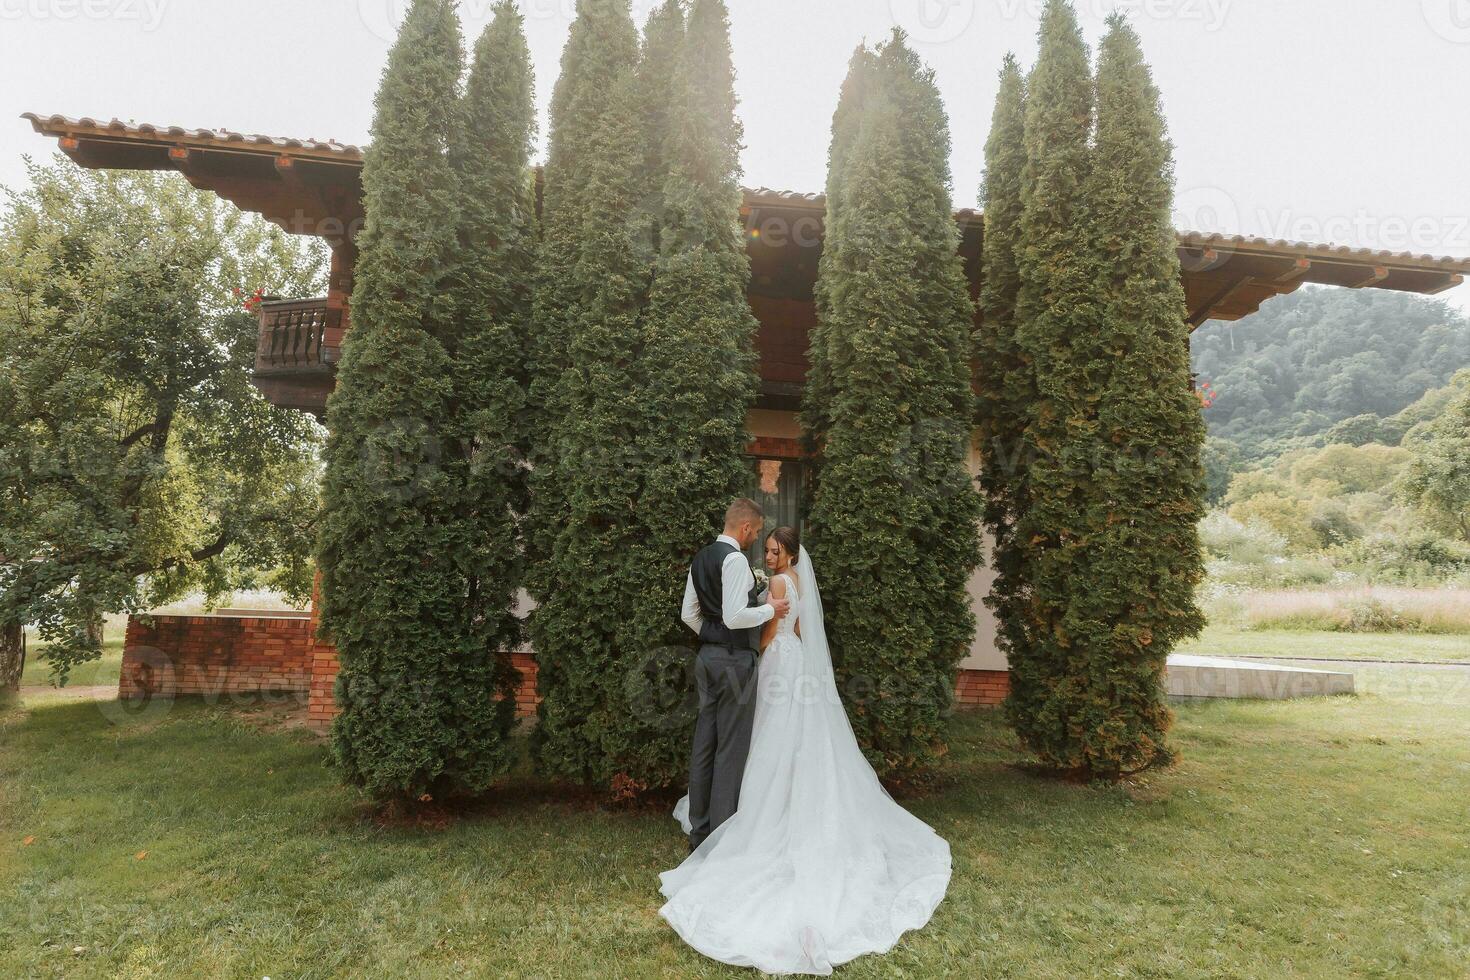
894 516
1005 377
701 379
658 64
594 85
587 482
1137 561
392 598
649 283
1107 540
833 265
490 292
1056 318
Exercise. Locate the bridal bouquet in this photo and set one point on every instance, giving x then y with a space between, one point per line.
762 580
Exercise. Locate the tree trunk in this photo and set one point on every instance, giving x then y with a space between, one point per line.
12 655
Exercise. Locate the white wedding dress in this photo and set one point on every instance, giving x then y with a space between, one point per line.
819 865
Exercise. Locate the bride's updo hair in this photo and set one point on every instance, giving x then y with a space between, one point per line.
789 541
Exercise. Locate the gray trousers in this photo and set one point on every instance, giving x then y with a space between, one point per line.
725 680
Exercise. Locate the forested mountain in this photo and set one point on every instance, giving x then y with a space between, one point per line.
1286 375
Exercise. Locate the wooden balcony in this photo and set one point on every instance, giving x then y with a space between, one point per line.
296 353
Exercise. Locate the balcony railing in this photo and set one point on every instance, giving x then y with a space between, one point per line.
296 352
296 333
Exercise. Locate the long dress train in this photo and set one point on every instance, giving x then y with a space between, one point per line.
819 865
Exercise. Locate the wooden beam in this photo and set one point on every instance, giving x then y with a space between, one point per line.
1208 259
1202 313
1299 268
1379 274
1450 282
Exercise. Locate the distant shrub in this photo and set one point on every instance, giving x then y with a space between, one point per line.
1379 610
1333 525
1276 573
1414 558
1288 516
1370 614
1224 537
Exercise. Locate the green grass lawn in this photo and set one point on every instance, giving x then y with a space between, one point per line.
1229 642
101 671
1320 838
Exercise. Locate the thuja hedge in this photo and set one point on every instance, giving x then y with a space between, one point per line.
1101 551
893 522
418 542
645 373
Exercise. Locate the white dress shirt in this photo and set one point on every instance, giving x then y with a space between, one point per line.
736 580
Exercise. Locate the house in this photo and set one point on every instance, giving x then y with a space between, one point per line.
314 187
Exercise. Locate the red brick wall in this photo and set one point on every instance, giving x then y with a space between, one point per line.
321 706
974 688
215 655
982 688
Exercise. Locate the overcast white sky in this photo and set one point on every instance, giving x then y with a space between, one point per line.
1327 120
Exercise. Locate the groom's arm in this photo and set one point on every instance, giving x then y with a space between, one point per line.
691 615
737 582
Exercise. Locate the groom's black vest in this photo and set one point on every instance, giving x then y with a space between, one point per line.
709 586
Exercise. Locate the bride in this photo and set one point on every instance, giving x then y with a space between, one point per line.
818 865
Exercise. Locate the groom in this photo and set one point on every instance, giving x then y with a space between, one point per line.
721 605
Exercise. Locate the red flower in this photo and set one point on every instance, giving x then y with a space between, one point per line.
253 301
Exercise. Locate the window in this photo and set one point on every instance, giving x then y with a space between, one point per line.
777 484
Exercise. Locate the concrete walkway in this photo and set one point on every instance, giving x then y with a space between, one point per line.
1190 676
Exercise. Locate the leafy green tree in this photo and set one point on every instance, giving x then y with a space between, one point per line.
137 462
1288 514
1118 488
1356 431
894 517
1005 378
1221 459
587 480
1341 469
1437 481
1324 357
416 617
1415 423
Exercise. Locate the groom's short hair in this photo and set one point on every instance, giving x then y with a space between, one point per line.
743 509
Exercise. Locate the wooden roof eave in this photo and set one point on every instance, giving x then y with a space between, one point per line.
314 187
